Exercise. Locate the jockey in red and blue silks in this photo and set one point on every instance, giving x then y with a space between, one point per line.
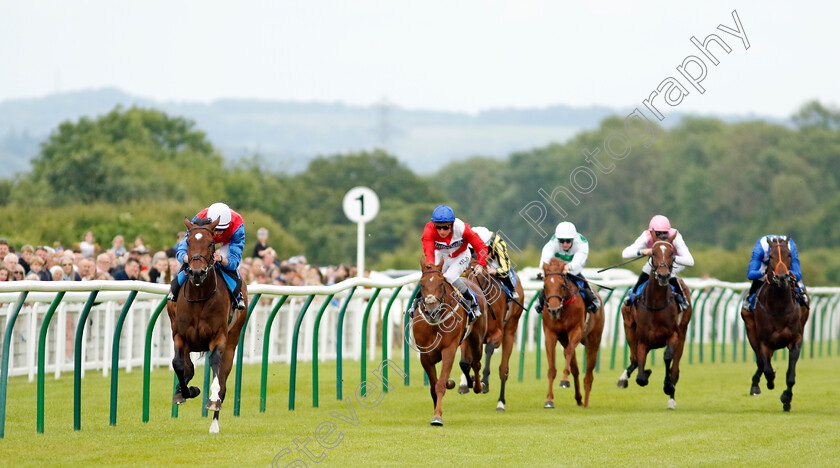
230 232
758 267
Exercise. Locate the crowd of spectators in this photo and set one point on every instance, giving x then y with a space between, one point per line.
87 260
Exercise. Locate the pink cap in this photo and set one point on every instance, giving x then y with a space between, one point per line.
659 223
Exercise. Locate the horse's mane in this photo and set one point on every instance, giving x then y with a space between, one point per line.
202 221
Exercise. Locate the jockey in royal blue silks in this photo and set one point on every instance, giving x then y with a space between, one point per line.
230 232
758 267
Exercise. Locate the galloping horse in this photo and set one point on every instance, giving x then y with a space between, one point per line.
777 322
439 326
202 320
501 327
655 321
565 319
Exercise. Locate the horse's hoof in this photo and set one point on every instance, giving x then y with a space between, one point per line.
771 385
549 405
178 399
622 384
485 387
500 407
755 390
194 392
786 398
214 426
214 405
437 421
672 404
462 389
786 407
450 384
565 384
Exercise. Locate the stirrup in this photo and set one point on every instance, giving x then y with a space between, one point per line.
514 295
170 297
239 304
681 302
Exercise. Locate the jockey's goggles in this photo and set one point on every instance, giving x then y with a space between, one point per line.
565 241
443 227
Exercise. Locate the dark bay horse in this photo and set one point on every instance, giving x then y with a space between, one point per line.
778 321
202 320
566 320
439 326
655 321
502 323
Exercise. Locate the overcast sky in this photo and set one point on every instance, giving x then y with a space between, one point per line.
448 55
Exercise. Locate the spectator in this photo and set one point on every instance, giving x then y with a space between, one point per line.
174 268
139 245
103 264
26 254
158 272
42 252
269 258
57 273
260 246
38 269
313 276
118 246
88 246
4 274
172 252
4 248
87 269
18 274
9 261
68 269
130 272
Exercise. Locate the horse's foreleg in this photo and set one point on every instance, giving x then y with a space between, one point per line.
447 360
573 365
507 349
630 335
793 356
752 337
593 344
184 371
485 374
641 357
769 373
429 368
550 344
217 352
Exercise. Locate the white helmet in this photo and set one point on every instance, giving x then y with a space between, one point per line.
221 212
566 230
483 233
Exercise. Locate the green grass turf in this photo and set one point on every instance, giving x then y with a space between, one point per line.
716 422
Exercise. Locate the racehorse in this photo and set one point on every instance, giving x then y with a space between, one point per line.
655 321
501 327
439 326
202 320
565 319
778 321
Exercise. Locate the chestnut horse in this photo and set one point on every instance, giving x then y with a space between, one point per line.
655 321
502 324
565 319
202 320
439 326
778 321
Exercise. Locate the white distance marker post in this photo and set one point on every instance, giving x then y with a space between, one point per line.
360 205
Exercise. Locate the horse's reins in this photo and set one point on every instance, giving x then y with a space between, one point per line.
440 300
780 262
670 267
207 261
563 301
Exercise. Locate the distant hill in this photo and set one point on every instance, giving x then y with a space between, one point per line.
288 134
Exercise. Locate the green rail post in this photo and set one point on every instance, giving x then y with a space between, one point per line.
206 388
814 320
723 326
4 365
406 331
147 358
264 365
833 305
703 321
603 304
315 329
42 350
385 329
295 336
240 350
692 325
339 347
364 337
174 411
77 368
525 337
615 328
538 340
115 355
714 322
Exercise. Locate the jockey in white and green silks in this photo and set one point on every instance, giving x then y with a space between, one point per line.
571 247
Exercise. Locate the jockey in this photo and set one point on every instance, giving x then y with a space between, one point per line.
660 229
758 266
230 232
498 261
447 237
571 247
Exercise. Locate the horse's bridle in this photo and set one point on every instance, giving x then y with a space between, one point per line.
426 316
565 289
662 263
779 263
209 262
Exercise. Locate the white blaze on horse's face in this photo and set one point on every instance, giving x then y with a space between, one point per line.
662 247
199 236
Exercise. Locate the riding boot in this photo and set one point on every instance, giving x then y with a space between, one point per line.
631 296
509 284
591 299
802 295
413 304
749 300
678 295
472 302
174 288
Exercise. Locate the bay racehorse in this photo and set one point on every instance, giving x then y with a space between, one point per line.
778 321
203 320
566 320
502 323
439 326
655 321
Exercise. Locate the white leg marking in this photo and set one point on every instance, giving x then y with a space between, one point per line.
672 404
500 406
214 426
623 376
463 380
214 389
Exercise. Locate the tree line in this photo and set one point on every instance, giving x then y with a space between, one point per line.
140 171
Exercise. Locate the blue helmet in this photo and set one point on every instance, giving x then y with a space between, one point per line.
443 214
